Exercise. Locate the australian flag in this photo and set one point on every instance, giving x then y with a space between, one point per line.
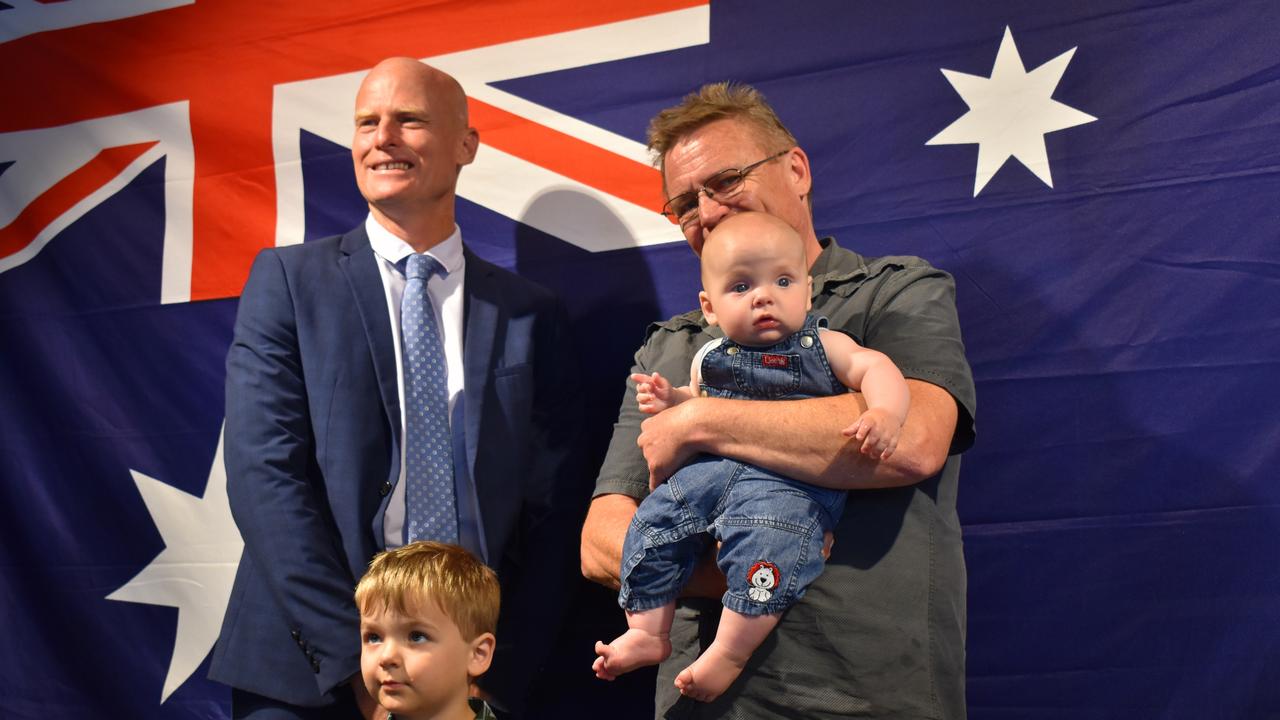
1101 178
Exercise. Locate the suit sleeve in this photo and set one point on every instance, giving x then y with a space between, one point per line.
273 480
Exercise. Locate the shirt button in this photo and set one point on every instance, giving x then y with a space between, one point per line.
386 488
806 341
732 350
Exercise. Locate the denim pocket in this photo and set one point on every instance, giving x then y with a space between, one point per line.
766 375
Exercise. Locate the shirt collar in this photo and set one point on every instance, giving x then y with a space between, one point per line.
827 269
392 249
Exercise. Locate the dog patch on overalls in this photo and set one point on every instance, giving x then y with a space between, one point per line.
775 361
763 578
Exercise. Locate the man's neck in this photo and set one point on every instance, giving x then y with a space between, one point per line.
420 230
812 249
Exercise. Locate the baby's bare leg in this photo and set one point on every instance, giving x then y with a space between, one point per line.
648 642
720 664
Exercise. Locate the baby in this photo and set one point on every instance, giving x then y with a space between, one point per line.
756 288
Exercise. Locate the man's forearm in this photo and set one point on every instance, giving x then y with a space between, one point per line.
801 439
602 536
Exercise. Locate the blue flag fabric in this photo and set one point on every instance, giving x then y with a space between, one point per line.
1101 179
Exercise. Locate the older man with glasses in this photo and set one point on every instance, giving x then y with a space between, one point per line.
881 632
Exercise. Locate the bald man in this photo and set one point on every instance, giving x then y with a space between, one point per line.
321 453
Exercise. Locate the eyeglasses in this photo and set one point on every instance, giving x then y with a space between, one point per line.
683 208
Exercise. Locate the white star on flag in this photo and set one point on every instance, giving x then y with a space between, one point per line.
196 569
1010 112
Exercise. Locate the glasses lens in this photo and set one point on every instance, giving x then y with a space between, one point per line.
680 206
725 183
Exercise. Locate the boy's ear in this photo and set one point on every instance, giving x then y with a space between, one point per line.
707 311
481 654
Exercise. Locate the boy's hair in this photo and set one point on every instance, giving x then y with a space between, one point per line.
458 583
717 101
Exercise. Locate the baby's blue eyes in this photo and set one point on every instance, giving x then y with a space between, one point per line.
784 282
740 287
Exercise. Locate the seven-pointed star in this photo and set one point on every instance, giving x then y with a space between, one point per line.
1010 112
196 569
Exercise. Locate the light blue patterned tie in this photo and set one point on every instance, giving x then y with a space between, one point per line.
431 510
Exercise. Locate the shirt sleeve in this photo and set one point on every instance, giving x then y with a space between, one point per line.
669 350
906 309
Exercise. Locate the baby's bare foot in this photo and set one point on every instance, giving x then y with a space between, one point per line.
710 675
630 650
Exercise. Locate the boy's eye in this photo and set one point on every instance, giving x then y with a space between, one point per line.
739 287
417 636
372 638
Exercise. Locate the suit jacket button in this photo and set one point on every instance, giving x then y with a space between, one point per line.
297 636
386 488
315 665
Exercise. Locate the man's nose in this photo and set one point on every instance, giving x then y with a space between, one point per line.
710 211
386 134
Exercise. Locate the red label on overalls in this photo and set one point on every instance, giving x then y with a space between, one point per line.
778 361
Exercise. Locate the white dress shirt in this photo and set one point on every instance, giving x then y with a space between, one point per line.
448 300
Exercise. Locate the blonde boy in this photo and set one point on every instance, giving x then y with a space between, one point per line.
427 617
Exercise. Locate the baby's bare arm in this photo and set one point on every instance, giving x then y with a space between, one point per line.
881 383
655 393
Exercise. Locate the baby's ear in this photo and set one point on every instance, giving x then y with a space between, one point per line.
481 654
808 281
708 312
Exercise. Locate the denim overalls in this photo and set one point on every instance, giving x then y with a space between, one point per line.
770 527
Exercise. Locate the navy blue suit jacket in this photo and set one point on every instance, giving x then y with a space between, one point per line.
312 452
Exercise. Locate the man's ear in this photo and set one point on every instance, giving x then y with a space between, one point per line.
797 166
707 311
467 149
481 654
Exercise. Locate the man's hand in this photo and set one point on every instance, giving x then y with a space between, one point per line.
665 440
878 430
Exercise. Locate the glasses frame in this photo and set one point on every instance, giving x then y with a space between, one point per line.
733 189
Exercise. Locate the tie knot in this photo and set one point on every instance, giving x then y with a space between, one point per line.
420 266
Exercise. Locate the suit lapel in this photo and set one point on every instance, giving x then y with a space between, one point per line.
482 320
360 266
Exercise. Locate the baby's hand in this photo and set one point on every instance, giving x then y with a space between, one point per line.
653 392
878 431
